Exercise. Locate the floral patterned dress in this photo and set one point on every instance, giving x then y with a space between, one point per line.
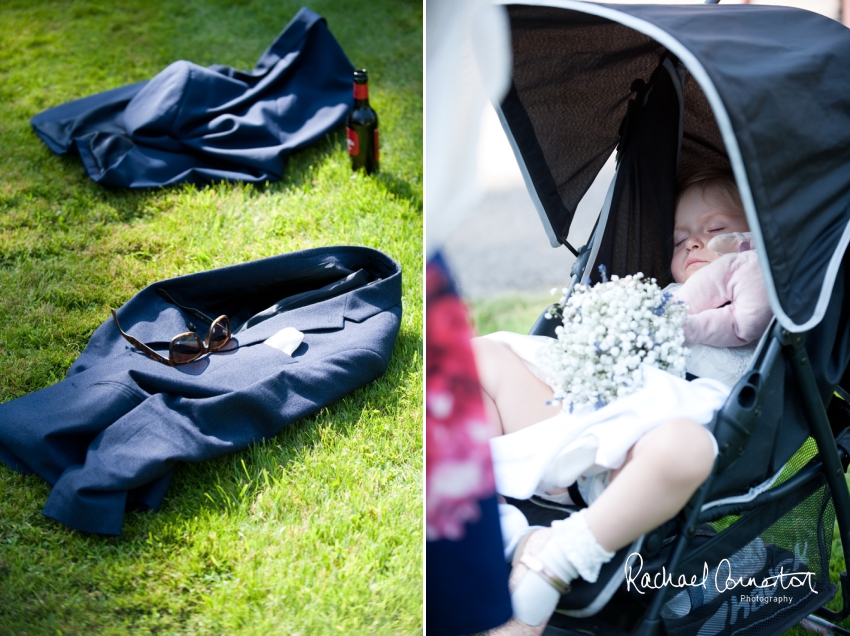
466 577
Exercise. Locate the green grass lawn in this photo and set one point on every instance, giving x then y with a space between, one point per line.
509 312
317 530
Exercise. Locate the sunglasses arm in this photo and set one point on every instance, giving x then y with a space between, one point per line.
141 346
197 313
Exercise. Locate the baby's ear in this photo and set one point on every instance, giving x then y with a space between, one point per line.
731 243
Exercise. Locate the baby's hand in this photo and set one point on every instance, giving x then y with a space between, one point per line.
731 243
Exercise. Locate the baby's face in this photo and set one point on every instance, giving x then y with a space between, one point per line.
697 222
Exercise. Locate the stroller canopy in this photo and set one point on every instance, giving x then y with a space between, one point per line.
768 94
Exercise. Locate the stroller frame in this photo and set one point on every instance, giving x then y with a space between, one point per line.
782 350
736 423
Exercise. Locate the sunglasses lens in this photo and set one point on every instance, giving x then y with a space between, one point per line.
186 348
219 333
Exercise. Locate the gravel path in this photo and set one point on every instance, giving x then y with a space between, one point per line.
501 247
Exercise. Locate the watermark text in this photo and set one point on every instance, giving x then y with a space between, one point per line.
724 579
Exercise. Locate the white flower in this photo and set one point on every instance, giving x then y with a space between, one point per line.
609 331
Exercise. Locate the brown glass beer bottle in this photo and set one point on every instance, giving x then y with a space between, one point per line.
363 127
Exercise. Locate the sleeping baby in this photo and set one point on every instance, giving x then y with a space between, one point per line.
718 277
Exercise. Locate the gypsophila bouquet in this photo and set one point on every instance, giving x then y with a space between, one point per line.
608 331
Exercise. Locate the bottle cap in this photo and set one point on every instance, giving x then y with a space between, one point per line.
360 76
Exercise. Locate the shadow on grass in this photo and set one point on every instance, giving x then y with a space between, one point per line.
301 169
69 196
89 202
400 188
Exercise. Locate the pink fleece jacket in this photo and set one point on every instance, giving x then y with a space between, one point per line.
727 302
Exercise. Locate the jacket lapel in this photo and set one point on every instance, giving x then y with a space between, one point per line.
325 315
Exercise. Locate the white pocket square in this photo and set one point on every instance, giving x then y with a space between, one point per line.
287 340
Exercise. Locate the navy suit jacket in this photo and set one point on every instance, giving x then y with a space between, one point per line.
196 124
107 437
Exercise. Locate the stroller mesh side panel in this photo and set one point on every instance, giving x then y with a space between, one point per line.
740 596
571 85
807 451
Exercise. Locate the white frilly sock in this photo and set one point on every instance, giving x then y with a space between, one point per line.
575 549
571 552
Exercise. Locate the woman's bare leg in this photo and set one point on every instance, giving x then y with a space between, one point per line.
513 396
663 470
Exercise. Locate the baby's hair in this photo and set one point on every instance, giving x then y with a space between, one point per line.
713 183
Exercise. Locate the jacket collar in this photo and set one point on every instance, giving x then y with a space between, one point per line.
150 319
329 314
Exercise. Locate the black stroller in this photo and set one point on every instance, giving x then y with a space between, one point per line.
764 91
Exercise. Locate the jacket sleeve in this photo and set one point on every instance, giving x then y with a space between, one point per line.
144 444
727 302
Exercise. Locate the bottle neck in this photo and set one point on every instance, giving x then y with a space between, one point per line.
361 94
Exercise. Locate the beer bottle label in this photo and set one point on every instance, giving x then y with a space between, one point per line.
361 91
376 145
353 143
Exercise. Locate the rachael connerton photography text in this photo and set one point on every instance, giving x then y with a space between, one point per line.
724 579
